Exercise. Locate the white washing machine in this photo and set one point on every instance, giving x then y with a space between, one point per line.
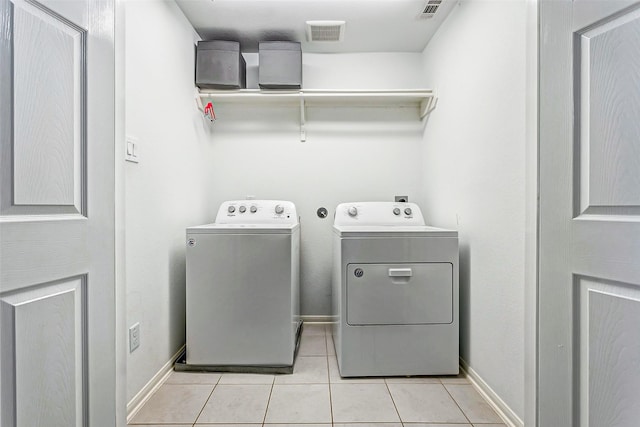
243 288
395 292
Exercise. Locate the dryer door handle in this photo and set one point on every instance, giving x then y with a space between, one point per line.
400 272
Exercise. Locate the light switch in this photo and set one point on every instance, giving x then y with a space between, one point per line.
132 149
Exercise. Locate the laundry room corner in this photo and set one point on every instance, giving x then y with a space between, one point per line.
478 63
464 165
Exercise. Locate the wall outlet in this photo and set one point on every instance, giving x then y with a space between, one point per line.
134 337
402 199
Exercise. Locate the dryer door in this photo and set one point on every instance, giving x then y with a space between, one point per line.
399 294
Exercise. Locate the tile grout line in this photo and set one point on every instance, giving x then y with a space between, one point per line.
207 401
386 384
326 343
264 419
456 402
326 350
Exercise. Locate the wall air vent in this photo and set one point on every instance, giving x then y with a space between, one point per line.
325 31
431 8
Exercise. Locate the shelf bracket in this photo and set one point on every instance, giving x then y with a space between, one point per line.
198 99
303 131
427 105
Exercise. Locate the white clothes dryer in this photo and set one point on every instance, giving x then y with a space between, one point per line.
394 292
243 289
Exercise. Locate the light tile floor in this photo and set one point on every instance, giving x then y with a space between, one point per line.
315 396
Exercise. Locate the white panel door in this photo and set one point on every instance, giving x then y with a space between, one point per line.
57 306
589 231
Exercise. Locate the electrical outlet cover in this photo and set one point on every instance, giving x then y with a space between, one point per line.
134 337
132 149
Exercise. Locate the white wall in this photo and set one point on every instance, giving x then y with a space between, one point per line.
350 154
474 178
168 190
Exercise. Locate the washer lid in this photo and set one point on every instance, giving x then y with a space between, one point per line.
392 231
244 229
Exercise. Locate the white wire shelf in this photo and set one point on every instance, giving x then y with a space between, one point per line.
422 99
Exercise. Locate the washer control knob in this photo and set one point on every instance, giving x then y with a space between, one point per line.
253 209
352 211
231 209
396 211
407 211
279 209
242 208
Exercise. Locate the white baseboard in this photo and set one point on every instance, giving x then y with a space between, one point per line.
502 409
316 319
154 384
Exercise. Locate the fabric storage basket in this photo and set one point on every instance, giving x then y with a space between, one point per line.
220 65
280 65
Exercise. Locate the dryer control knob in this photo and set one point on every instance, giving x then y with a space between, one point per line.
279 209
407 211
352 211
253 209
242 209
396 211
231 209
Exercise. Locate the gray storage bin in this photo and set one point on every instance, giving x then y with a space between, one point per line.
280 65
220 65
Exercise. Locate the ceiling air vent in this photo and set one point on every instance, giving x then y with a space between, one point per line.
325 31
431 8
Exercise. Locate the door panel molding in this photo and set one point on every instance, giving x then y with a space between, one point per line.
606 319
44 147
46 326
607 104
